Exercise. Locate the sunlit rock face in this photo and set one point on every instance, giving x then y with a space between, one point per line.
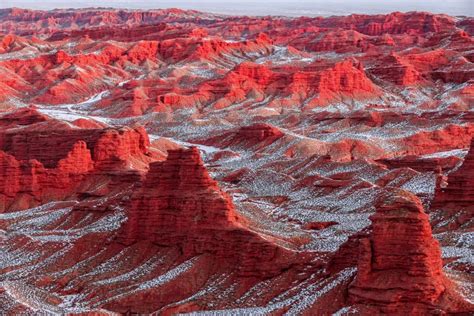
169 162
458 188
400 264
44 159
180 204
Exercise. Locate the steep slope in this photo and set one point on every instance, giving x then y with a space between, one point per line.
400 266
179 204
269 150
43 159
458 189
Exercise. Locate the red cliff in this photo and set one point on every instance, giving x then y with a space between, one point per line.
459 190
400 266
181 205
42 159
27 183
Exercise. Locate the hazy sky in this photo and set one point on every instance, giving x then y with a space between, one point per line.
266 7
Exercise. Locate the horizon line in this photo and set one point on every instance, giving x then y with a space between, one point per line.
230 14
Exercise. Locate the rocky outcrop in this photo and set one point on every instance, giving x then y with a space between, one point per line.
181 205
258 135
347 77
393 23
108 146
318 84
398 71
399 265
42 159
340 42
422 164
260 74
458 192
259 132
26 183
21 117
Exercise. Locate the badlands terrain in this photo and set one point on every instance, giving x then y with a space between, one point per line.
179 162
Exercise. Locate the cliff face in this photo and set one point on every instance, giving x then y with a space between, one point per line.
105 144
178 196
42 159
305 122
400 266
459 189
398 71
181 205
393 23
346 77
26 183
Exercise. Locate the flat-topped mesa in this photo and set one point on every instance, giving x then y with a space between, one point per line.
181 205
400 266
459 191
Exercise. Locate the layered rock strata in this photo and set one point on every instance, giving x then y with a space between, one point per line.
459 189
43 160
399 266
181 205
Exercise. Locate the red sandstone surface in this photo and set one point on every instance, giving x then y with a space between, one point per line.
171 162
399 268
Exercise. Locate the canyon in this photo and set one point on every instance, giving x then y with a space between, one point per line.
180 162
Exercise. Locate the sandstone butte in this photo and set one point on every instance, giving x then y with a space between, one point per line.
399 264
180 205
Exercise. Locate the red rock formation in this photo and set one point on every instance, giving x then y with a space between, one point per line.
180 205
28 183
44 159
142 51
61 75
447 138
323 81
21 117
394 69
25 21
393 23
259 73
346 77
107 145
421 164
342 90
400 266
340 42
459 192
10 179
259 132
122 146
